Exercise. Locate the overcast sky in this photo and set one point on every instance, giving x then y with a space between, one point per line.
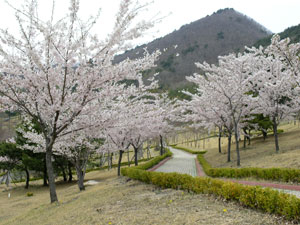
275 15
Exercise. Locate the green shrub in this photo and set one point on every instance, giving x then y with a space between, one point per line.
276 174
29 194
265 199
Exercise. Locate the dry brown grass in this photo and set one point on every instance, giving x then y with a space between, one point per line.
259 153
118 201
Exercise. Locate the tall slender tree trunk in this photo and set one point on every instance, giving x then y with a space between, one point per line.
238 162
50 172
128 158
135 155
161 145
80 178
275 134
45 176
64 173
264 134
70 172
249 137
148 152
219 140
27 178
111 160
101 160
245 137
229 148
119 163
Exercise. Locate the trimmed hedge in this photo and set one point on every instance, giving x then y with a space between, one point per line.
275 174
189 150
265 199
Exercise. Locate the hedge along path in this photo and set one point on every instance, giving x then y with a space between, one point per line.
290 189
256 197
181 162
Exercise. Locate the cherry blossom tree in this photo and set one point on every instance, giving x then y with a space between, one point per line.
206 110
146 122
222 92
135 119
57 71
288 54
120 112
275 81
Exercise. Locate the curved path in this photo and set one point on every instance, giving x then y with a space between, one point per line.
185 163
181 162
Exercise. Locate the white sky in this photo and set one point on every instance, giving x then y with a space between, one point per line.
275 15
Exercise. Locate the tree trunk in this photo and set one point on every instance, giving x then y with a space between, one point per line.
245 137
109 161
229 148
275 134
136 156
50 172
264 133
249 138
161 145
70 172
101 160
27 178
119 163
128 158
45 176
64 174
148 152
238 162
80 178
219 143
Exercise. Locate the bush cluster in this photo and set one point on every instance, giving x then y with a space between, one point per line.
265 199
29 194
275 174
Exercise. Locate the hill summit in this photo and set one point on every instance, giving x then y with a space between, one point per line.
221 33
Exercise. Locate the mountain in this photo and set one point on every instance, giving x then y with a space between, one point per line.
221 33
292 32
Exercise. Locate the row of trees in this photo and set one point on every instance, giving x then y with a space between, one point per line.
260 83
62 79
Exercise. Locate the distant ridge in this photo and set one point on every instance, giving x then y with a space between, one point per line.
292 32
221 33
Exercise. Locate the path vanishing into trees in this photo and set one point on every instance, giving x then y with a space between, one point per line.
181 162
186 163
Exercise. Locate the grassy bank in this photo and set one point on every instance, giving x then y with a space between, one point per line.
119 201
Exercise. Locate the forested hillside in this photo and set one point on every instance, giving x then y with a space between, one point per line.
222 32
292 32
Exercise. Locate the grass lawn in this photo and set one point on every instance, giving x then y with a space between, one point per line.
260 153
119 201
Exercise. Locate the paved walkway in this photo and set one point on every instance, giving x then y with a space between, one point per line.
186 163
181 162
